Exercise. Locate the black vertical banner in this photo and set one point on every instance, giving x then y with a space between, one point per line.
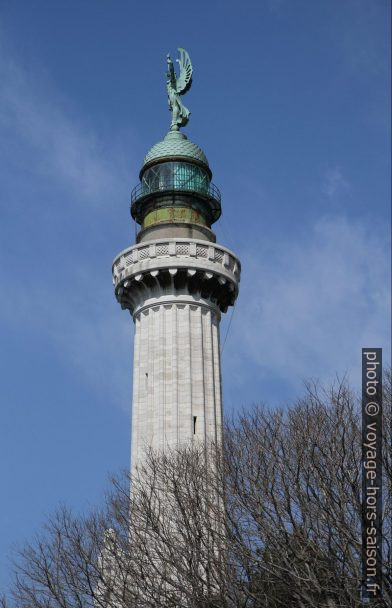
371 473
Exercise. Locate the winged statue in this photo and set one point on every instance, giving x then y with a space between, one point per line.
177 86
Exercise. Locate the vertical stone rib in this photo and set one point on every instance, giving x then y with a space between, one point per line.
154 363
213 379
135 393
168 375
217 378
162 376
209 393
158 377
187 405
188 379
149 418
197 372
184 373
174 404
202 385
180 385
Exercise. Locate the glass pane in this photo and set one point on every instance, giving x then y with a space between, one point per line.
178 176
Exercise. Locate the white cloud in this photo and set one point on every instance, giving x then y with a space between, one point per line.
45 131
364 38
274 5
83 326
335 184
307 308
39 134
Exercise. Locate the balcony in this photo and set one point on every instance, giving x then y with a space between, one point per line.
171 190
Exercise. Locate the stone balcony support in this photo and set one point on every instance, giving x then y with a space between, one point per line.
173 270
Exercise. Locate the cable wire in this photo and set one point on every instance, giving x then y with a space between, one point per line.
228 328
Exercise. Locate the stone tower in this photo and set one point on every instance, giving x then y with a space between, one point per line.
175 281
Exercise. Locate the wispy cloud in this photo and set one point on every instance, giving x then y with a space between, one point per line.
274 5
44 129
80 326
362 42
42 137
335 184
307 307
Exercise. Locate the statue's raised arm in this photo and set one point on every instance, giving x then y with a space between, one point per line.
178 86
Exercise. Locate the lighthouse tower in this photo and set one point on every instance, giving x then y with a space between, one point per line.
175 281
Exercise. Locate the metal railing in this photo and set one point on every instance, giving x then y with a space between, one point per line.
208 192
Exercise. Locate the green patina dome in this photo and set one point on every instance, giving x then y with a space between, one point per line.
175 144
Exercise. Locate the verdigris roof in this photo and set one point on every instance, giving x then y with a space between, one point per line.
176 143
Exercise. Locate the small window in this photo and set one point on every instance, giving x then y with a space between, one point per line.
194 424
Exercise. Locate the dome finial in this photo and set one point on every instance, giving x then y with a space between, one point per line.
178 86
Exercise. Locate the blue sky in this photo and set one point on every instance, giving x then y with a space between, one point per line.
290 102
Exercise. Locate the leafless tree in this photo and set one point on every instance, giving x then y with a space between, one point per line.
272 520
295 500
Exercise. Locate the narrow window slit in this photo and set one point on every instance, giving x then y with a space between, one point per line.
194 424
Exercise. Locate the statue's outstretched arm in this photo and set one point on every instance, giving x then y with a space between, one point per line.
171 75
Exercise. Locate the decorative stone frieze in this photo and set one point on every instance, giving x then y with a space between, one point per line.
174 270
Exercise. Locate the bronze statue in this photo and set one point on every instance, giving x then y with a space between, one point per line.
178 86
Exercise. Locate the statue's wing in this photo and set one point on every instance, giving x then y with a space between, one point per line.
184 81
